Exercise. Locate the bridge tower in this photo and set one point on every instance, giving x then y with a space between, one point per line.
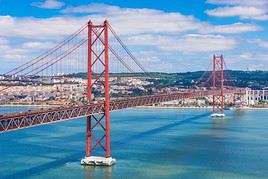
98 73
218 86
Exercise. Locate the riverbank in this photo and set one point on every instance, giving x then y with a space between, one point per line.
27 105
174 107
195 107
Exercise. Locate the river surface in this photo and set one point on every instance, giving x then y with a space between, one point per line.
147 143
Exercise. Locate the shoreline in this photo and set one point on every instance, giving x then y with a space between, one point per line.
26 105
143 107
203 108
172 107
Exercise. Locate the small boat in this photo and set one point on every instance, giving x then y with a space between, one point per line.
239 108
217 115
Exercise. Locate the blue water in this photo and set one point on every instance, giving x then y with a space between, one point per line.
147 143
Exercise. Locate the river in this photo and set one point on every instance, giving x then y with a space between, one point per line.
147 143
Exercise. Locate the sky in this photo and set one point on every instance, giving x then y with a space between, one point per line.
165 35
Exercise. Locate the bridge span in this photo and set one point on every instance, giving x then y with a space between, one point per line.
20 120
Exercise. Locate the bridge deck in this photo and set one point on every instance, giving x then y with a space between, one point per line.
19 120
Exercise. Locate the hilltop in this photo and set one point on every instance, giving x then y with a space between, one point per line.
252 79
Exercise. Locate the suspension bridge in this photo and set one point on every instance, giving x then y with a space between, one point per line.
98 51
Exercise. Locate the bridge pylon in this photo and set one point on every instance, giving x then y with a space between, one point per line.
218 87
98 126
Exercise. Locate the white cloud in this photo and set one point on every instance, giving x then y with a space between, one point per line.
166 33
260 43
38 45
154 21
231 28
14 57
240 2
245 55
245 9
186 43
133 21
49 4
39 28
3 41
9 53
126 21
92 8
248 60
244 12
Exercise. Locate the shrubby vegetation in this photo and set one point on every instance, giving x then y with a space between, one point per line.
252 79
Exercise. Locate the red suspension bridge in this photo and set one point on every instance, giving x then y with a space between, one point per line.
91 49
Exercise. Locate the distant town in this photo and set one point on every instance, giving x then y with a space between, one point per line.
69 89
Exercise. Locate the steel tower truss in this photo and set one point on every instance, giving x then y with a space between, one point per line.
98 73
218 84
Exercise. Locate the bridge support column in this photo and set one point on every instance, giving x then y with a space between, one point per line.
98 126
217 86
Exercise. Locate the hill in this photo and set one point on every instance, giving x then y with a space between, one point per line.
252 79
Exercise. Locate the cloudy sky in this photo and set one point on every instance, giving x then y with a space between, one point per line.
167 35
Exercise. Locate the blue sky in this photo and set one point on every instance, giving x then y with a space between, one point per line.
168 35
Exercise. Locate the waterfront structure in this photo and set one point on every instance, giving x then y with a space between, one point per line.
253 97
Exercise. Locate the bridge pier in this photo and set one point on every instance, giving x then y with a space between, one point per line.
98 161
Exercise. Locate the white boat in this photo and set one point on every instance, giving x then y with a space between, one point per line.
217 115
232 108
239 108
